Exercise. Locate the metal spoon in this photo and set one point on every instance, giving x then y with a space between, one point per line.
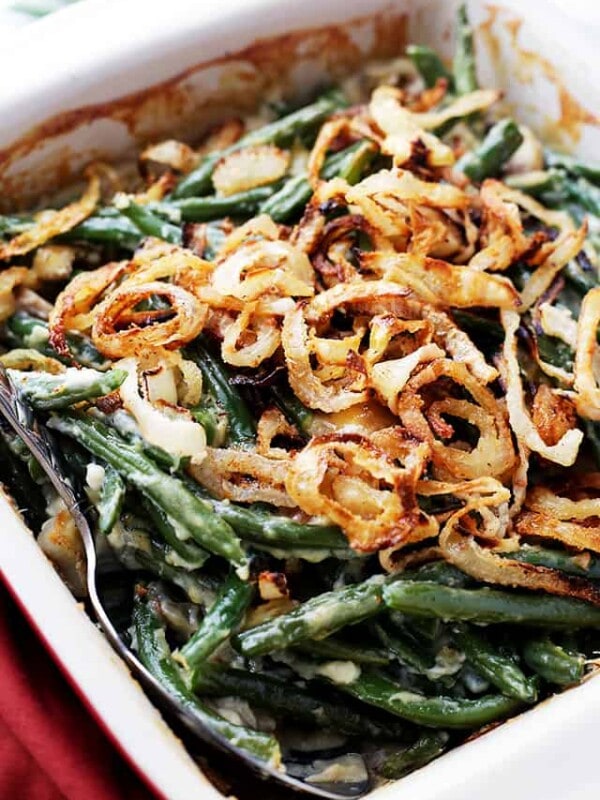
42 446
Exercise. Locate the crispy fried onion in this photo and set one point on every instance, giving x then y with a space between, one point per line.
106 303
349 374
244 476
557 255
359 487
423 415
385 197
11 279
381 297
263 267
565 451
252 287
271 424
333 246
574 522
459 545
251 338
587 358
299 346
170 153
49 224
162 423
442 283
72 310
249 167
187 319
405 131
26 359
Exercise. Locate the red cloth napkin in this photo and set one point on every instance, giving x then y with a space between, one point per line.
50 746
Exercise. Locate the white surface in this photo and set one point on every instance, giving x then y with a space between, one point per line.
104 48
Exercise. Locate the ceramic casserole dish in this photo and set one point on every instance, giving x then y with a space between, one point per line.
108 77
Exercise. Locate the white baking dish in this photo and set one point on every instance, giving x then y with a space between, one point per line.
91 55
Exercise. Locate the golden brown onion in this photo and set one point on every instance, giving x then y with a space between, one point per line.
187 320
360 488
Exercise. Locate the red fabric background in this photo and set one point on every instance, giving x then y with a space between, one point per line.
50 747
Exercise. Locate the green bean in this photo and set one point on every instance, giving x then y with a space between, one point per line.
269 529
312 555
428 64
355 162
288 201
137 548
582 169
220 621
315 619
215 236
403 647
486 160
428 746
213 419
153 650
45 392
293 409
283 130
149 223
261 526
285 699
553 663
110 502
592 435
338 650
240 423
432 712
14 224
464 66
500 670
582 280
291 199
439 572
203 209
555 352
534 183
23 330
126 426
105 229
585 565
17 478
585 194
490 606
190 515
188 552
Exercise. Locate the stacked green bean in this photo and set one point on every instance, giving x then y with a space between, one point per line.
400 666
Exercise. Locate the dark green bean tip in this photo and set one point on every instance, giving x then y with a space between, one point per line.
499 669
552 662
222 618
429 65
147 222
428 746
486 160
